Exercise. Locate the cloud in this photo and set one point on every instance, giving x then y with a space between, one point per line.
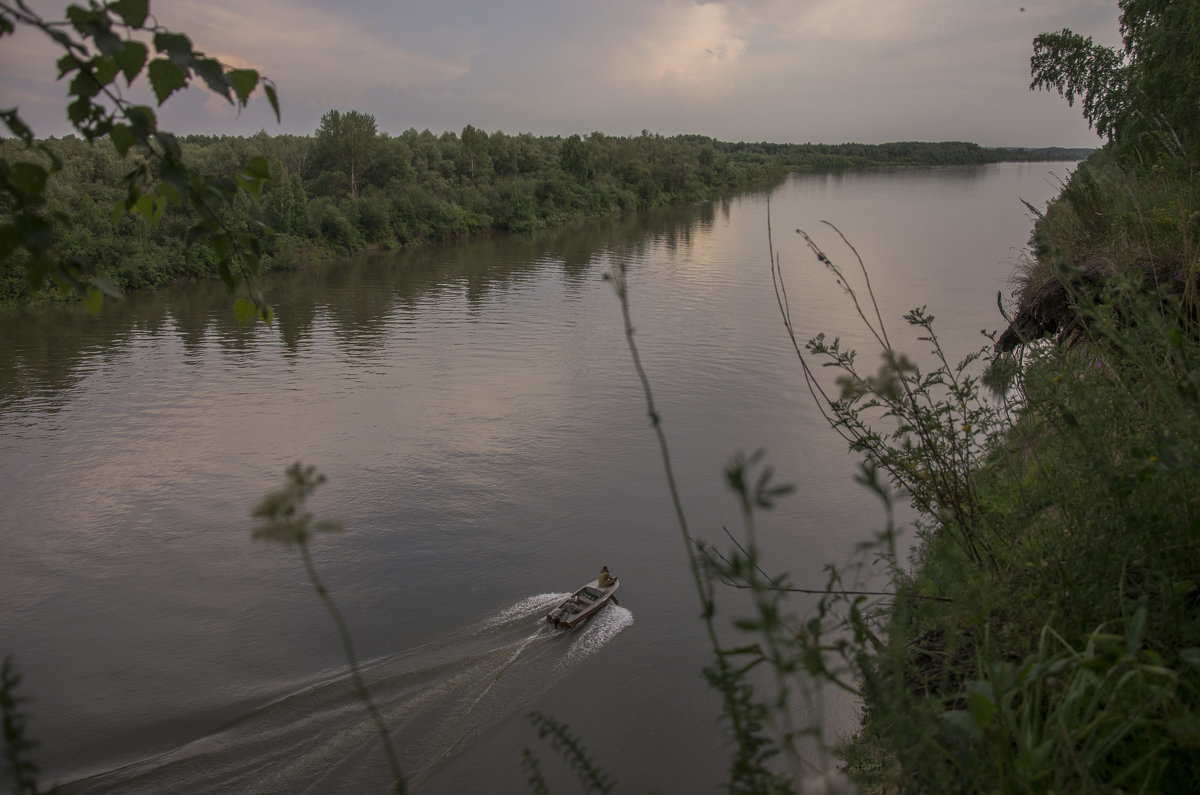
788 70
688 42
321 56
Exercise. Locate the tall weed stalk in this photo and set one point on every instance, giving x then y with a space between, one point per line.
287 522
930 431
745 716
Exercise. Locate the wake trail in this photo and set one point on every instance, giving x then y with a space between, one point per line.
435 699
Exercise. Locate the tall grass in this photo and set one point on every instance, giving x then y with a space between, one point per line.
1069 658
1044 634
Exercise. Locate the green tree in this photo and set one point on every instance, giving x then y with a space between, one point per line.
102 43
475 151
348 141
575 158
1145 95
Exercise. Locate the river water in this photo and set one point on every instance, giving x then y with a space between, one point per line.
487 448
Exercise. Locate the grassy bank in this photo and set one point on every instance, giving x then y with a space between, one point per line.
1060 520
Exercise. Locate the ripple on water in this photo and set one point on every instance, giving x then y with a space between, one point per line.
435 699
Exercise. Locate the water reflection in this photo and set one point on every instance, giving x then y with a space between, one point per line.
476 411
48 352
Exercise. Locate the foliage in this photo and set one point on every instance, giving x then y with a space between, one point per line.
1078 68
102 43
20 768
1066 658
346 141
1058 514
1048 636
350 187
1134 205
1112 217
943 426
1072 666
1146 96
1104 717
571 749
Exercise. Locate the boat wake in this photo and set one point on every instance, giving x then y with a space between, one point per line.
435 699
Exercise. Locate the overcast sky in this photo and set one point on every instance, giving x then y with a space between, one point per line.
740 70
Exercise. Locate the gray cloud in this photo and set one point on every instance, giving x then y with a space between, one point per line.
785 70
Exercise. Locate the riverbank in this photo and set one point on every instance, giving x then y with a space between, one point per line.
1059 529
418 188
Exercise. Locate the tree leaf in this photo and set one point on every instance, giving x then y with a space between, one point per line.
132 12
107 42
245 311
122 138
273 98
29 180
61 38
131 59
170 146
106 70
17 127
173 43
244 81
82 19
93 300
211 71
258 167
145 206
252 177
226 274
105 286
85 84
220 244
166 78
143 122
169 193
67 64
252 245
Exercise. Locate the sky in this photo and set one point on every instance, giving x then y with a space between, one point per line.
788 71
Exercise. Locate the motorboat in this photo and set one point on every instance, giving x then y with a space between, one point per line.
581 605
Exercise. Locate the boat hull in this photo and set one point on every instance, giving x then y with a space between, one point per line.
581 605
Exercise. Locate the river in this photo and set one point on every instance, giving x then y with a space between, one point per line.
487 448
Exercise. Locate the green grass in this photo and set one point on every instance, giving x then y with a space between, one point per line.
1069 659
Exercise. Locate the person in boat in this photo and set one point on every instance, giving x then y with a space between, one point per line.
605 578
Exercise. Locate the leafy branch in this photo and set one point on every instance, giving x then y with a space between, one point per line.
21 769
572 751
101 44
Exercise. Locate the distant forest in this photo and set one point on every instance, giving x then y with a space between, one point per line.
349 187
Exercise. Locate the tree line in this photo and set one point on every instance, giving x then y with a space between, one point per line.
350 187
